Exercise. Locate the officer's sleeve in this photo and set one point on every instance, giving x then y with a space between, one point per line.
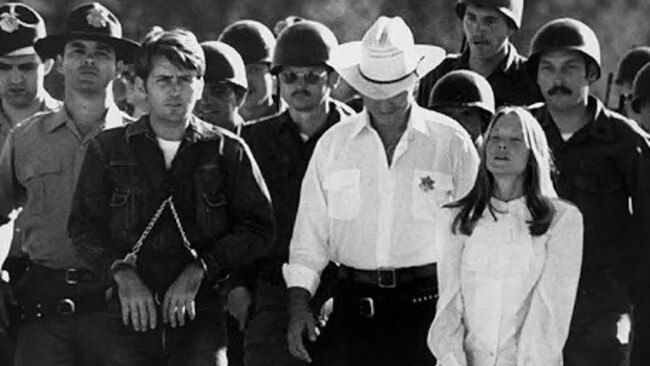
308 250
546 325
88 222
10 193
252 226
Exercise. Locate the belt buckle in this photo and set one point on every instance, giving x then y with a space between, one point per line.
386 278
71 276
366 307
66 307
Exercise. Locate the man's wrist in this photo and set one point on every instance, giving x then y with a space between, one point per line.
119 269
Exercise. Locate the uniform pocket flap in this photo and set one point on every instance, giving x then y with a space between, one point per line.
47 166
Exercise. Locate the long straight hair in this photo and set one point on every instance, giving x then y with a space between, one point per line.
538 186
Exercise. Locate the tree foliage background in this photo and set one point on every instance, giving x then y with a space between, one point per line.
619 24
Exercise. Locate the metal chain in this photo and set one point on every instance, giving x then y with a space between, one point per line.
186 242
132 257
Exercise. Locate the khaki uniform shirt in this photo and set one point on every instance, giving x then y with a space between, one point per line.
12 230
39 166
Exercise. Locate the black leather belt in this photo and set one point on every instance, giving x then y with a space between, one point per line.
388 277
66 306
389 303
69 276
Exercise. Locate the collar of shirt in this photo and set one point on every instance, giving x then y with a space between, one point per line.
48 104
114 117
196 129
598 128
516 207
506 64
415 122
336 113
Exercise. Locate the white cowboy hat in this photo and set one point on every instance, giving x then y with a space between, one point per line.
387 61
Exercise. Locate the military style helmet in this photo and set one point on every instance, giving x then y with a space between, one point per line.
224 64
252 39
305 43
462 88
641 88
631 64
511 9
564 34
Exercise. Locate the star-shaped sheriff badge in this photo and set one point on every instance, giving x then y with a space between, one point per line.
427 184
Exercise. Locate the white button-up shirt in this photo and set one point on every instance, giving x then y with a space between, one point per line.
357 210
506 297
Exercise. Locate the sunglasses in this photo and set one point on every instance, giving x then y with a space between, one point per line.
310 77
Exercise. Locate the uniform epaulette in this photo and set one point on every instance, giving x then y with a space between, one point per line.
34 118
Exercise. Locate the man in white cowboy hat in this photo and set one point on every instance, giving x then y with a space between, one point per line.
60 299
369 201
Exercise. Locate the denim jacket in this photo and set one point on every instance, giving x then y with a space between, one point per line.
222 202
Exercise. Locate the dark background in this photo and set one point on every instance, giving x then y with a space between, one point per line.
619 24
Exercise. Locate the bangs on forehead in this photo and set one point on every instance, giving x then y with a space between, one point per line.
181 60
526 121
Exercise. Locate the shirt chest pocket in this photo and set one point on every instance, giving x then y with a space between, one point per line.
430 190
343 194
46 186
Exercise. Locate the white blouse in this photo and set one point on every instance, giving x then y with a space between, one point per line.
506 297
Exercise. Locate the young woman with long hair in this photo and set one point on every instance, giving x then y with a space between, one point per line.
509 271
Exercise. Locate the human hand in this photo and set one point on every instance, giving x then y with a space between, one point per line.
238 305
179 299
136 300
301 322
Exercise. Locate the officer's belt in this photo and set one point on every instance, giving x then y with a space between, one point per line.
388 277
66 306
69 276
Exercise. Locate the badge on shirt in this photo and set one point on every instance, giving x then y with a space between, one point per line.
427 184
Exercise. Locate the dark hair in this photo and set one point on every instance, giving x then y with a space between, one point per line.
179 46
537 181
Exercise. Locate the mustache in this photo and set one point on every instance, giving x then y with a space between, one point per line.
559 89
